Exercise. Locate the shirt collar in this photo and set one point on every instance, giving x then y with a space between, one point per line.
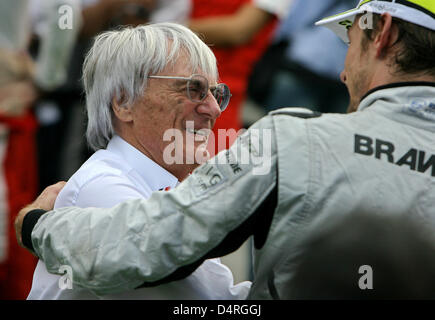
155 176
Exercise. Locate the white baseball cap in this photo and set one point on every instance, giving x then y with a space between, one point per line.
419 12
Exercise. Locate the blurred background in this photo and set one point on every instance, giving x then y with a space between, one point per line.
269 53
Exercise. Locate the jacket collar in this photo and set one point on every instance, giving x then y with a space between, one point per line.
402 90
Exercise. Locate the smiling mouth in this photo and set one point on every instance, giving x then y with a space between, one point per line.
200 135
200 132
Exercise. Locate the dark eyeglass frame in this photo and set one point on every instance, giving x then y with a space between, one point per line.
220 87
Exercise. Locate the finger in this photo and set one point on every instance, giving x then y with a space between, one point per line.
59 185
48 197
54 188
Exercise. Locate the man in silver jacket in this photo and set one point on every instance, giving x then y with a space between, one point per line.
291 169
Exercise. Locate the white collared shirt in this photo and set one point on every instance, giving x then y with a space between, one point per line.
108 177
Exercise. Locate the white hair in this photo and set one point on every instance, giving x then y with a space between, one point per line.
118 65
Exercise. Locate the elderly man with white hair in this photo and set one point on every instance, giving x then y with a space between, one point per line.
139 83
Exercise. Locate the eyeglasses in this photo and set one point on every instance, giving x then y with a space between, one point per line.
197 89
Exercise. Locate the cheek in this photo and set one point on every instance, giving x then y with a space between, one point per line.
351 65
180 112
160 112
349 59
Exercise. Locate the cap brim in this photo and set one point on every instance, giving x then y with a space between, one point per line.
339 23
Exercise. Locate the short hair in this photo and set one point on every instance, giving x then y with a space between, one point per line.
416 54
118 65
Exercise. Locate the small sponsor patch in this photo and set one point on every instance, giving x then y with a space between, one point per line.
422 108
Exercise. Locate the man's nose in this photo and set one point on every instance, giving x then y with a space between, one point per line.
210 107
343 76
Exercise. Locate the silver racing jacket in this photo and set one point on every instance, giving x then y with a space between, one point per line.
286 171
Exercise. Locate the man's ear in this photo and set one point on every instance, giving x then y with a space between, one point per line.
123 114
387 35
